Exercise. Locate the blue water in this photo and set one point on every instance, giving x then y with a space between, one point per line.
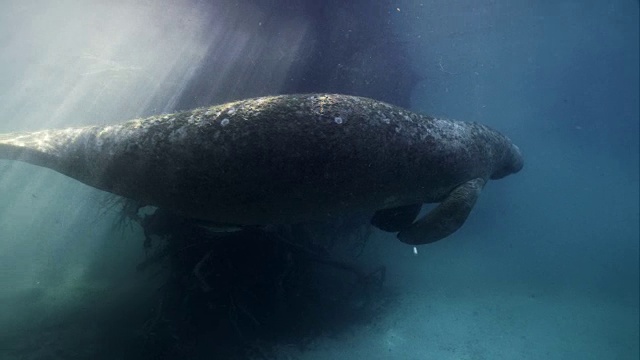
546 266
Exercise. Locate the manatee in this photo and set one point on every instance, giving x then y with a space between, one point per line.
284 160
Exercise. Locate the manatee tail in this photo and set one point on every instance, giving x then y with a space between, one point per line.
35 148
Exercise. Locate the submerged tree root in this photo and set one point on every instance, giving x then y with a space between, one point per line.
232 294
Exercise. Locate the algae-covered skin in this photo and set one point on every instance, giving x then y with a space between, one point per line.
276 160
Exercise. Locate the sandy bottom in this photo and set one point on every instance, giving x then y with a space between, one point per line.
457 322
489 326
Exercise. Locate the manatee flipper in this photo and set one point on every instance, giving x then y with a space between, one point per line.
447 217
397 218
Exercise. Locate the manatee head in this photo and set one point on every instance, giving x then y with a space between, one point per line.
509 163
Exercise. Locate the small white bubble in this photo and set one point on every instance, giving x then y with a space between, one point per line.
338 120
232 111
224 122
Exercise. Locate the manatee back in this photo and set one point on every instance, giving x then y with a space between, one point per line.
288 158
269 160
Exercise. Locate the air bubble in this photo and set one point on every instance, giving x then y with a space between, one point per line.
338 120
224 122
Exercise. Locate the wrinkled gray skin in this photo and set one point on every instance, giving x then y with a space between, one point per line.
286 159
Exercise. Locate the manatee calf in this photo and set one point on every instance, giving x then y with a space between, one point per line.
286 159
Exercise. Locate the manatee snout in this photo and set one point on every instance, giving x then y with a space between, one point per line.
518 160
512 162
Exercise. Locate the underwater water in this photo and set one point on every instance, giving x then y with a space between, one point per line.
545 267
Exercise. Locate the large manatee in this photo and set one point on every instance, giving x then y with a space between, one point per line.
286 159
